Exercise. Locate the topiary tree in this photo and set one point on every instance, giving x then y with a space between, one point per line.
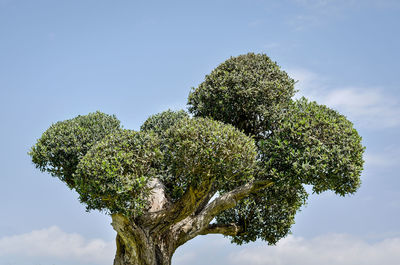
237 167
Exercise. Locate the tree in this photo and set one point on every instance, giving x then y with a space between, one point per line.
236 167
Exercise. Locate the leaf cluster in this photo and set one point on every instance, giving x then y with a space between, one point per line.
111 171
314 145
61 147
267 215
113 175
201 149
298 142
248 91
246 127
161 122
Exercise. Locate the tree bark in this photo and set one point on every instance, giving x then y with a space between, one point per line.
136 246
153 238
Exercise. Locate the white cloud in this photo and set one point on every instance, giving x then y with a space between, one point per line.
271 45
329 249
333 249
323 4
370 107
308 83
185 258
327 5
54 243
381 160
387 157
317 13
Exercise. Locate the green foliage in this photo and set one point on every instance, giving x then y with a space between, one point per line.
159 123
248 91
113 175
267 215
314 145
245 127
61 147
201 150
298 142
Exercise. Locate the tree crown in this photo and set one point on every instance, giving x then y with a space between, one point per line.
63 145
246 131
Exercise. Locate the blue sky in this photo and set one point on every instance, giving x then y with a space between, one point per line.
59 59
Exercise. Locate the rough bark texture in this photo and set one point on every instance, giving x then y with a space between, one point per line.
138 246
153 238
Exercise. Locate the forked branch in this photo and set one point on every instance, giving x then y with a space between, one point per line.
200 223
230 199
223 229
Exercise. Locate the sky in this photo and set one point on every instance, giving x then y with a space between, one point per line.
60 59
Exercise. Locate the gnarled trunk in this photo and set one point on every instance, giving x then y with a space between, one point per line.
153 238
136 246
143 253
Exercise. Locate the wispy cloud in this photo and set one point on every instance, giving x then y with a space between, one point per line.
323 4
346 3
327 5
329 249
317 13
332 249
271 45
388 157
54 243
370 107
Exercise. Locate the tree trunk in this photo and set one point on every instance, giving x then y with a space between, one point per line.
142 253
136 246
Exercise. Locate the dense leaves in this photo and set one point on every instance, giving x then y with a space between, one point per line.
246 127
202 149
298 142
267 215
159 123
113 175
248 91
314 145
61 147
198 150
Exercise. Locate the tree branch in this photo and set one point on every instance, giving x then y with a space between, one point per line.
158 198
229 199
223 229
205 201
199 224
184 207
